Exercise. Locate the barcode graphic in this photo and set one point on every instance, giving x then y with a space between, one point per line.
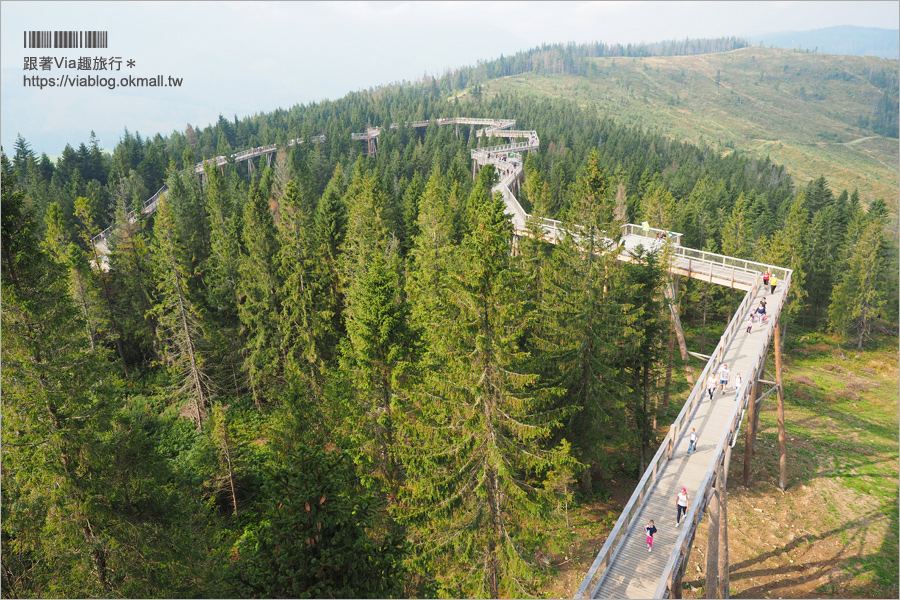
65 39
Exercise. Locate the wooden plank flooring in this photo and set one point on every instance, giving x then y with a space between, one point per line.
634 572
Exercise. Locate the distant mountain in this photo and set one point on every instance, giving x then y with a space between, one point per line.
843 39
816 113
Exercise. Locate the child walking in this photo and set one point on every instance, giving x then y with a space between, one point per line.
692 446
650 529
750 323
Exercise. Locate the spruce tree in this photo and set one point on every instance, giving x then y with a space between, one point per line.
180 327
858 297
582 324
330 232
86 510
305 314
378 343
477 430
130 276
259 304
221 275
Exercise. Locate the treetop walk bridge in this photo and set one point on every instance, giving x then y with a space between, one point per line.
623 568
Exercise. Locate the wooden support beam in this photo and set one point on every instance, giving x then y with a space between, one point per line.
679 332
782 450
712 543
752 410
677 576
723 566
703 357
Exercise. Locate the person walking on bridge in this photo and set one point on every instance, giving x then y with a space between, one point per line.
692 446
650 529
774 282
682 504
737 385
761 310
711 384
724 375
766 279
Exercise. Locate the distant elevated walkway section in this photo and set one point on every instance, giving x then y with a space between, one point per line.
254 152
219 161
100 241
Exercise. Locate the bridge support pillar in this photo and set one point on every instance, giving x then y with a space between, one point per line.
712 543
722 584
677 576
782 451
752 415
671 291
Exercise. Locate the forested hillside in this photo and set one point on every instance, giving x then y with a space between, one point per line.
817 114
341 376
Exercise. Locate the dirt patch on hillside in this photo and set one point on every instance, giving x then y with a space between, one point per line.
804 380
802 544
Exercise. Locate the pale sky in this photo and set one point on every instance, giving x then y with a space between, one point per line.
241 58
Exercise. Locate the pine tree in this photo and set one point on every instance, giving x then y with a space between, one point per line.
476 432
85 507
858 297
378 343
305 314
179 322
259 304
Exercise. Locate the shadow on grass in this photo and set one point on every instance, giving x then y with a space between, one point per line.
879 563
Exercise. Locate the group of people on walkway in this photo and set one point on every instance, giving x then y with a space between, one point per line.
721 382
770 281
758 313
682 503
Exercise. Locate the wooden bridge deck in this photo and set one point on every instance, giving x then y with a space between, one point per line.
634 572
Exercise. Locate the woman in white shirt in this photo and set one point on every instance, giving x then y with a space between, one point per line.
682 504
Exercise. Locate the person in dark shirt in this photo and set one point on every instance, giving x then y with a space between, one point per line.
650 529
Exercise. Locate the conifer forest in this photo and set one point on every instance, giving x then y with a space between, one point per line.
340 375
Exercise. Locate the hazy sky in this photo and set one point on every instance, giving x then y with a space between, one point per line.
243 58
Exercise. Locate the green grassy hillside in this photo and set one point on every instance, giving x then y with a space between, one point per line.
801 109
